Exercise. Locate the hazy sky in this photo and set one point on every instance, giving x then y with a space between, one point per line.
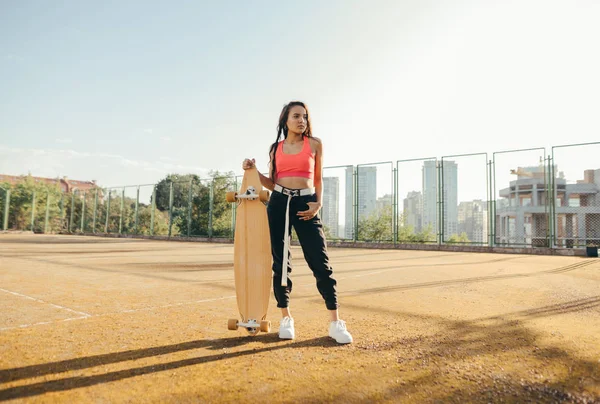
125 92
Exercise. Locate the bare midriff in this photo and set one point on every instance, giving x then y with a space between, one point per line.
295 182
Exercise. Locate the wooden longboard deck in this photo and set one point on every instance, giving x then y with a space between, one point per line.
252 253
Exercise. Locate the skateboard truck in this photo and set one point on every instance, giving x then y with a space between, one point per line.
250 194
252 326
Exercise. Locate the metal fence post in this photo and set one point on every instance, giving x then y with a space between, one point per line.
62 211
33 211
491 205
72 211
553 202
211 204
6 210
95 211
440 202
137 203
355 204
189 212
395 200
550 196
152 211
47 212
122 209
170 207
83 212
234 209
107 212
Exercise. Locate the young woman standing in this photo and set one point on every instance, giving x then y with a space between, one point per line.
295 177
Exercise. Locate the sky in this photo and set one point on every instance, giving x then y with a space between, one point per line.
126 92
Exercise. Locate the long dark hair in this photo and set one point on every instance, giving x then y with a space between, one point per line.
282 129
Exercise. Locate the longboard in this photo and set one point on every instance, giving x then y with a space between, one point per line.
252 260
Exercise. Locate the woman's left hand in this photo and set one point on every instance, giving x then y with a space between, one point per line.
313 209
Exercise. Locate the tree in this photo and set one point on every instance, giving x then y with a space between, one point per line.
222 210
377 226
22 203
455 238
406 234
181 188
161 221
197 215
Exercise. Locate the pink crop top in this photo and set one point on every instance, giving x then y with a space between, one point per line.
295 165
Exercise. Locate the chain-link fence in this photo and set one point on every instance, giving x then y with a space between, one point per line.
337 211
522 202
4 206
417 200
186 208
575 175
519 198
374 202
463 204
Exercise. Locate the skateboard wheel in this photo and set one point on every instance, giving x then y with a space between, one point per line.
265 326
232 324
230 196
264 195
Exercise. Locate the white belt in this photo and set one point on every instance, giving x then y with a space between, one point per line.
286 233
293 192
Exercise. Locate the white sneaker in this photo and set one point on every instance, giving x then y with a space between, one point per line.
337 331
286 328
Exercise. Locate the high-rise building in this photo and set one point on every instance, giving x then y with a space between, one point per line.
449 196
330 215
412 214
473 220
429 206
349 210
367 195
386 201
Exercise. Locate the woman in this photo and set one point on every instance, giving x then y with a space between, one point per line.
295 177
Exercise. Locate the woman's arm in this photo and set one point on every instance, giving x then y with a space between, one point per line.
314 207
268 182
319 171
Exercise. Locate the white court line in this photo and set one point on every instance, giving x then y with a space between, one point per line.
42 323
168 305
51 304
116 312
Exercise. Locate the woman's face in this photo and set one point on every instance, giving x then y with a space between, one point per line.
297 119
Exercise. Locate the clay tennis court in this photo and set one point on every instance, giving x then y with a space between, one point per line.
89 319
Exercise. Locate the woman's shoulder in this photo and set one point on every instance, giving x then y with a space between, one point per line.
315 144
274 146
315 141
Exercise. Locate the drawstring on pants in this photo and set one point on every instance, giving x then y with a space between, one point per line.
286 233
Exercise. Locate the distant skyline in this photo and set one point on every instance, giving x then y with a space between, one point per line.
127 92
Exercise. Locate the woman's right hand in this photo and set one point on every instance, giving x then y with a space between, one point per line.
248 163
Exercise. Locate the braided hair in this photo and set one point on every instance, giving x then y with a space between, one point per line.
282 129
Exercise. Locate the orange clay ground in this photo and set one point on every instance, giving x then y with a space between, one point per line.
102 320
